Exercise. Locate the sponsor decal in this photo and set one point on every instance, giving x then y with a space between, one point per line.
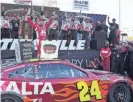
10 44
39 88
104 51
49 49
83 91
87 92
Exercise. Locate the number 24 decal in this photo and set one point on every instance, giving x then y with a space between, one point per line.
94 91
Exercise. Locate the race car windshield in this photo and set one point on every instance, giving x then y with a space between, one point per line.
59 71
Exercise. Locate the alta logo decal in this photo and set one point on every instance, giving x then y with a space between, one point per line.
49 48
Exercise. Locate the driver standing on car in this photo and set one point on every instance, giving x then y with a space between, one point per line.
105 54
41 27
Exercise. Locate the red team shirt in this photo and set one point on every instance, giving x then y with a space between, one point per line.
106 53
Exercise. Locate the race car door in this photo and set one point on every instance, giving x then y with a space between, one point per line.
68 84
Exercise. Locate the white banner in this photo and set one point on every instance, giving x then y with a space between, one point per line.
49 49
81 5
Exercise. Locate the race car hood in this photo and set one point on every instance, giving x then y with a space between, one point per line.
99 73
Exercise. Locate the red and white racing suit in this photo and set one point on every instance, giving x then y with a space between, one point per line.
105 53
41 31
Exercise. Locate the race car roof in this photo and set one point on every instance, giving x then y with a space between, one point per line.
8 63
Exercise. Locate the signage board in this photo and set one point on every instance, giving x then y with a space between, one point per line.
81 5
49 50
24 50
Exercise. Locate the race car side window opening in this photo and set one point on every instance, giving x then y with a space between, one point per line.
59 71
26 72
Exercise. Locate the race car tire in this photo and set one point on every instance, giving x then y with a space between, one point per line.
120 93
10 98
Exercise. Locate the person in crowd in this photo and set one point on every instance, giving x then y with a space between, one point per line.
105 54
6 27
80 29
64 29
15 26
113 28
91 65
73 28
131 64
53 29
98 63
40 28
118 32
86 29
130 61
98 26
105 29
120 58
94 64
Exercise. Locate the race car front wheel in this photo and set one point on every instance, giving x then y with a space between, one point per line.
10 98
120 93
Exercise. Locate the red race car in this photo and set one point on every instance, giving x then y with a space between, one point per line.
61 81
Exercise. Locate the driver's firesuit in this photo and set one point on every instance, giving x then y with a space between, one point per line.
41 31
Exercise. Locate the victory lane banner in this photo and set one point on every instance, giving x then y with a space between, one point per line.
74 54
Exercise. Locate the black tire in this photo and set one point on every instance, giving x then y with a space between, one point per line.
120 93
10 98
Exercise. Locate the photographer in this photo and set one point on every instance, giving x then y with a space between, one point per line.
94 64
91 65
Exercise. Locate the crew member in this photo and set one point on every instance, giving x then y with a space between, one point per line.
40 28
15 26
113 27
6 28
73 29
53 35
105 54
86 29
80 29
131 61
64 29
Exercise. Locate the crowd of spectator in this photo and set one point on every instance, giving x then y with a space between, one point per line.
82 28
121 60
